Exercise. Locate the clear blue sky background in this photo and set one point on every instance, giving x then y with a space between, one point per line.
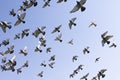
103 12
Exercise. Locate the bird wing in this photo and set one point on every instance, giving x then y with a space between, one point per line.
103 42
103 35
70 25
25 49
60 35
108 37
12 47
26 30
44 5
29 5
22 16
36 33
3 29
17 22
22 34
13 58
76 8
43 27
53 31
59 1
73 19
82 2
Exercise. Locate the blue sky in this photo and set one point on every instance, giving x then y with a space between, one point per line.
104 13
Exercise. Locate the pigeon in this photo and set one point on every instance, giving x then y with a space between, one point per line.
72 22
25 32
22 8
93 24
20 19
80 67
48 49
105 38
19 70
38 48
78 6
51 64
4 25
17 36
43 64
71 75
101 73
40 30
24 51
58 38
97 59
42 41
75 71
57 29
40 74
12 13
74 58
52 58
85 50
25 64
3 60
10 50
46 3
11 62
5 42
70 42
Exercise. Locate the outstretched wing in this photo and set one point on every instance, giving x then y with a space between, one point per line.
25 49
82 2
13 58
70 25
59 1
76 8
73 19
43 27
3 29
103 35
60 35
108 37
22 16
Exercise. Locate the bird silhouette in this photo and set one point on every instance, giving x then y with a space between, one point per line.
78 6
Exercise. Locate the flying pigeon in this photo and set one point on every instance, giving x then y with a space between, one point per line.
20 19
24 51
72 22
105 38
12 13
57 29
78 6
85 50
58 38
93 24
4 25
